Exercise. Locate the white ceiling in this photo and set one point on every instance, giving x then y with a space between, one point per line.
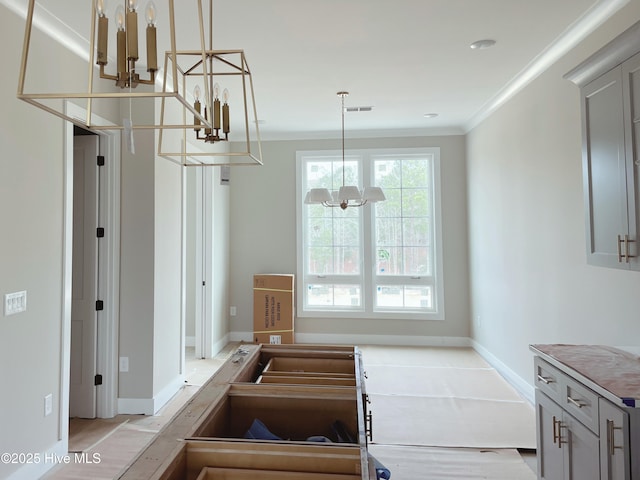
403 57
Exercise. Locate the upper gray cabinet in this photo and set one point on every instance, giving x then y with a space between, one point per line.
609 84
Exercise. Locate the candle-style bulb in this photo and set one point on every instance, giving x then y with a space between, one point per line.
103 34
151 13
196 93
120 16
133 5
225 95
216 91
100 7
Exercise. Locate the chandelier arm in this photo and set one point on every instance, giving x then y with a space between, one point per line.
107 76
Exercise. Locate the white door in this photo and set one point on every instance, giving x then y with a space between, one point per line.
82 398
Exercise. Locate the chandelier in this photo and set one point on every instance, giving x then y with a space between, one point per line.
201 73
347 195
127 43
124 86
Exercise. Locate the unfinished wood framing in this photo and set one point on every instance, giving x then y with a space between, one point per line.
308 389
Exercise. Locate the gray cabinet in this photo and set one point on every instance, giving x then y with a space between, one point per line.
614 449
567 449
610 97
610 111
584 432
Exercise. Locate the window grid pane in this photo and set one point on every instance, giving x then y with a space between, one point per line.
333 295
402 227
405 219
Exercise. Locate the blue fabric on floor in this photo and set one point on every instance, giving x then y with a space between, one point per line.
319 439
382 472
258 431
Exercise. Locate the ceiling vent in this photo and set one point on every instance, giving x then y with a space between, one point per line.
358 109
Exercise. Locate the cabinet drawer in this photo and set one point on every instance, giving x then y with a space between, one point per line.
547 379
580 402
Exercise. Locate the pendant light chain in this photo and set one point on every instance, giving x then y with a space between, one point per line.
346 196
343 94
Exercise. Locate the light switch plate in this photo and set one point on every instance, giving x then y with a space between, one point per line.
124 364
48 405
15 303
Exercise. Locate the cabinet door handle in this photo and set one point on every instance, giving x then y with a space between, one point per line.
620 249
557 432
369 426
627 256
575 402
545 380
611 441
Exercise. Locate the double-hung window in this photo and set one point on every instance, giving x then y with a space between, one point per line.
381 260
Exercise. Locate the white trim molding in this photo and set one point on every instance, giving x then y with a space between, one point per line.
53 457
571 37
524 388
150 406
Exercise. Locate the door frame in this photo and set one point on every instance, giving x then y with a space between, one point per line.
204 344
109 269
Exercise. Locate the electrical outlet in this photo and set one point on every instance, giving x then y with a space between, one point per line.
48 405
124 364
15 303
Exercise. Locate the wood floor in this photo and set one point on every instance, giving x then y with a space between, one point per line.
102 448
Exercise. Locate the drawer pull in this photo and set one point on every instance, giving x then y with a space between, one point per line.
545 380
611 442
575 402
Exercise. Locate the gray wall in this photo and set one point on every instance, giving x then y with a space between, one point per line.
263 237
31 194
529 279
150 284
31 247
31 255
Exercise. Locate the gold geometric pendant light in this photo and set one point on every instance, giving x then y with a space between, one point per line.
123 84
221 86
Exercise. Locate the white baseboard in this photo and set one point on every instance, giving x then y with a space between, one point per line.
246 337
53 457
364 339
150 406
524 388
220 344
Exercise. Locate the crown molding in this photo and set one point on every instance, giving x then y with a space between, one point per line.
571 37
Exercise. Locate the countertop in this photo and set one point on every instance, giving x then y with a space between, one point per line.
613 372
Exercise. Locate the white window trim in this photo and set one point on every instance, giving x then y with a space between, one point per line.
367 312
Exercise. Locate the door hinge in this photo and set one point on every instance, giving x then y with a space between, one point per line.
99 305
100 232
101 160
97 380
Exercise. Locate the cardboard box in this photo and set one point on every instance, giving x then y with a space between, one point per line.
273 297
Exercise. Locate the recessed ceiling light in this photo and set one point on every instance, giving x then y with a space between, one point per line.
482 44
430 115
